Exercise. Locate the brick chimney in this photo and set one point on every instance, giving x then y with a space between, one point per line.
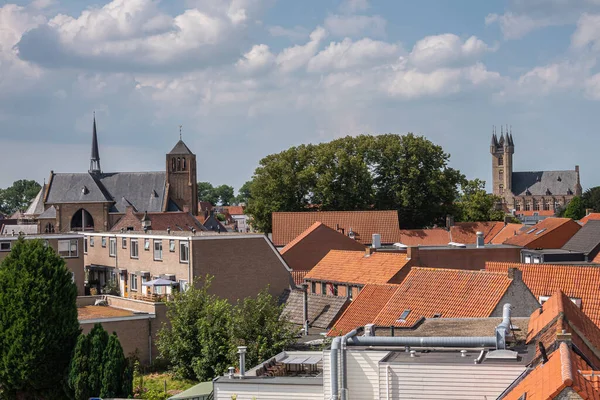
412 253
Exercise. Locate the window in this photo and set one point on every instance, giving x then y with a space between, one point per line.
67 248
85 244
536 205
556 204
112 247
49 228
501 160
183 164
501 175
183 285
528 205
133 283
4 246
517 206
158 250
124 243
543 299
349 292
146 244
528 259
536 260
540 231
91 241
546 205
335 289
531 231
133 249
501 187
173 164
313 287
184 251
171 245
72 276
323 288
103 241
403 316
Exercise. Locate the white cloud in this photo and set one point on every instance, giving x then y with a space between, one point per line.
355 25
587 32
515 26
348 54
444 50
258 58
352 6
42 4
297 56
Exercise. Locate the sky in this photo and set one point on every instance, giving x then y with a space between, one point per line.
248 78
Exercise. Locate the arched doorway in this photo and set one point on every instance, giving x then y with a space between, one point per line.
82 221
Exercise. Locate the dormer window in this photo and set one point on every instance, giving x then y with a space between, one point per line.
84 190
548 192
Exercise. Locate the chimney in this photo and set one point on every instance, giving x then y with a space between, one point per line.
507 219
480 240
376 241
577 168
515 274
449 221
369 251
242 353
412 253
305 307
370 330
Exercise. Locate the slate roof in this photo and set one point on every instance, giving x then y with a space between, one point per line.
213 224
538 182
451 293
143 190
586 240
357 268
579 282
50 213
37 204
288 225
28 229
180 148
178 221
322 310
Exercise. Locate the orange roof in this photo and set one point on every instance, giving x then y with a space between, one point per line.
563 369
450 292
298 276
364 308
505 233
235 210
288 225
357 268
301 236
575 281
589 217
533 237
466 232
424 237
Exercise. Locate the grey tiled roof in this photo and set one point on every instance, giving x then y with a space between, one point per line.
322 310
37 205
143 190
538 183
586 239
181 148
49 213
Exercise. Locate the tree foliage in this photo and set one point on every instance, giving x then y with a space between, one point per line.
38 321
244 193
575 209
388 172
475 204
99 367
591 198
204 330
18 196
219 195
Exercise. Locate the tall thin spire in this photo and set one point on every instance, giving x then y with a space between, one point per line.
95 159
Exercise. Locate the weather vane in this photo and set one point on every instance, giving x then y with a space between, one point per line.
180 126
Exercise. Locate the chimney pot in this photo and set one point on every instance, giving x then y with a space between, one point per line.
480 240
376 241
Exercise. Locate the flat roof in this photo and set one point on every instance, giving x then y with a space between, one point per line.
455 356
551 251
272 380
42 236
87 313
463 246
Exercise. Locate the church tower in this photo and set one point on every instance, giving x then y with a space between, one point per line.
502 151
181 177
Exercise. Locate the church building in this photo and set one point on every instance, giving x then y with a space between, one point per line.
95 200
531 193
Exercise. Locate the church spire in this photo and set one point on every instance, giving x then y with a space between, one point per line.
95 158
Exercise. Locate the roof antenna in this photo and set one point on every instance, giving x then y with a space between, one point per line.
180 126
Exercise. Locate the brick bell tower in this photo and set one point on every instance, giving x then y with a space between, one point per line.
502 151
181 177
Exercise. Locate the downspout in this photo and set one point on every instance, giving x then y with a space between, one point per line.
190 281
333 361
344 380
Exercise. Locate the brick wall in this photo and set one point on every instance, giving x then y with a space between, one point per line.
556 238
468 258
65 212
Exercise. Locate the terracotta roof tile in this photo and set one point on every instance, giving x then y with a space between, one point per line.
356 268
449 292
299 276
563 369
288 225
589 217
575 281
538 236
235 210
505 233
301 236
364 308
424 237
466 232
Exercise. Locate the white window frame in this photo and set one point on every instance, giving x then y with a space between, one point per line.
133 284
134 245
91 241
171 245
103 241
158 251
112 247
123 243
146 244
72 251
184 249
183 285
5 246
527 259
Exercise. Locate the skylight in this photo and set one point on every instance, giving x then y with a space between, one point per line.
530 231
540 231
404 315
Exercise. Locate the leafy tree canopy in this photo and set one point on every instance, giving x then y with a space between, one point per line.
591 198
18 196
220 195
407 173
475 204
244 193
575 209
38 321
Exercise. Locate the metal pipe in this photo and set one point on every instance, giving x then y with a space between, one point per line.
503 330
433 341
305 307
344 382
333 361
242 353
387 382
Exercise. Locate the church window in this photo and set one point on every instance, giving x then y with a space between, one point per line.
501 160
517 205
556 204
173 164
546 205
528 205
183 164
178 164
49 228
501 175
501 189
536 205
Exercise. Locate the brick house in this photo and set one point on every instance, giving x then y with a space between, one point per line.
550 233
241 264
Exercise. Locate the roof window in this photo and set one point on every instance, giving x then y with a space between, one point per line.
531 231
404 315
540 231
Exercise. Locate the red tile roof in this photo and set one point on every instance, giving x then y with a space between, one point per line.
589 217
301 236
466 232
563 369
424 237
356 268
550 233
298 276
288 225
579 282
364 308
506 233
235 210
449 292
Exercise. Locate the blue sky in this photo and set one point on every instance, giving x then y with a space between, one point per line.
247 78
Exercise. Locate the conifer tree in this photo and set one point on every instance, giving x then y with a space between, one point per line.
98 338
113 369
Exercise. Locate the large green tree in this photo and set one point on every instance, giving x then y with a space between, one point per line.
38 322
18 196
219 195
244 193
98 341
591 198
79 371
475 204
407 173
225 195
115 377
575 209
